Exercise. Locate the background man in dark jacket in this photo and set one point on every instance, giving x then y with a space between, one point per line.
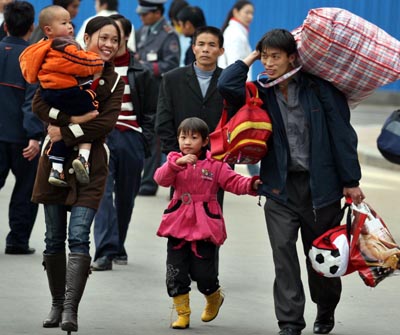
158 50
311 164
128 144
20 130
191 90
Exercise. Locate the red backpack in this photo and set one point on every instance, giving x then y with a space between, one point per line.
243 139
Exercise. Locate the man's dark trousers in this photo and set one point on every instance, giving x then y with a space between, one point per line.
123 182
283 224
22 212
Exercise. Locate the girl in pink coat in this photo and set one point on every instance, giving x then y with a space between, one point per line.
193 221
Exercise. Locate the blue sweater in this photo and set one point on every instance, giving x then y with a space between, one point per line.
333 141
17 122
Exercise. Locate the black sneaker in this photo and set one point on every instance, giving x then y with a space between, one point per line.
81 167
289 331
120 260
101 264
13 250
57 178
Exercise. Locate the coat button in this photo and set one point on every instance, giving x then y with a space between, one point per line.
71 171
101 82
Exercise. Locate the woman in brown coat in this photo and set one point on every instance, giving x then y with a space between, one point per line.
67 280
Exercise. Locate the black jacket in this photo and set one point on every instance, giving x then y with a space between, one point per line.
144 97
17 122
333 141
180 97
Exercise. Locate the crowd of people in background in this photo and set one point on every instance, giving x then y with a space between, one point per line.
157 92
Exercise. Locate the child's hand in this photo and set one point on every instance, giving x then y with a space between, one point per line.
187 159
256 183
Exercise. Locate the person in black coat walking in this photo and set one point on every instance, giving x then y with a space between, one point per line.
311 164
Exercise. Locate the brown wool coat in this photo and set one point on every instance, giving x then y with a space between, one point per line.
109 94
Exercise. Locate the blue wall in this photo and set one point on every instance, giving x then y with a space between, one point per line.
269 14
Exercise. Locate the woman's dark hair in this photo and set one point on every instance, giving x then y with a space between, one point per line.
175 7
209 30
194 125
99 22
63 3
193 14
19 17
278 38
238 5
125 23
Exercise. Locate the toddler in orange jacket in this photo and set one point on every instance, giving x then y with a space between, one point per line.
65 72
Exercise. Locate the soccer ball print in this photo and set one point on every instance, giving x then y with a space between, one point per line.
331 262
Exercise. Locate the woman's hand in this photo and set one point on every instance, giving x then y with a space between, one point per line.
54 133
85 117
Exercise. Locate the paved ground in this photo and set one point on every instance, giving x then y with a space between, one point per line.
132 300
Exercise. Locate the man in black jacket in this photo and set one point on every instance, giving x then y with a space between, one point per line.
191 91
128 144
311 164
20 130
158 50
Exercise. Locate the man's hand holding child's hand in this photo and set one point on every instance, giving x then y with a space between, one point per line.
256 183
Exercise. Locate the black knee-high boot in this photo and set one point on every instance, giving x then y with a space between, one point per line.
78 270
55 266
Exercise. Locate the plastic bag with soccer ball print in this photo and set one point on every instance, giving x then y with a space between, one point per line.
363 244
373 250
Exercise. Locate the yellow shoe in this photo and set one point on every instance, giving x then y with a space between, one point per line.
181 304
214 303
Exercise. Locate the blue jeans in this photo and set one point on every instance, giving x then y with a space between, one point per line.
80 221
123 182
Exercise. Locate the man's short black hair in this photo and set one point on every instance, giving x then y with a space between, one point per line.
111 4
19 17
209 30
63 3
280 39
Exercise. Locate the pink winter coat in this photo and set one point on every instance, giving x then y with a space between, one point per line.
194 213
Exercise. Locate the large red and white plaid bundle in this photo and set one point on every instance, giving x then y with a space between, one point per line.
348 51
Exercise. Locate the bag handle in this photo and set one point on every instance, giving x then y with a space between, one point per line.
361 208
278 80
347 205
252 98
